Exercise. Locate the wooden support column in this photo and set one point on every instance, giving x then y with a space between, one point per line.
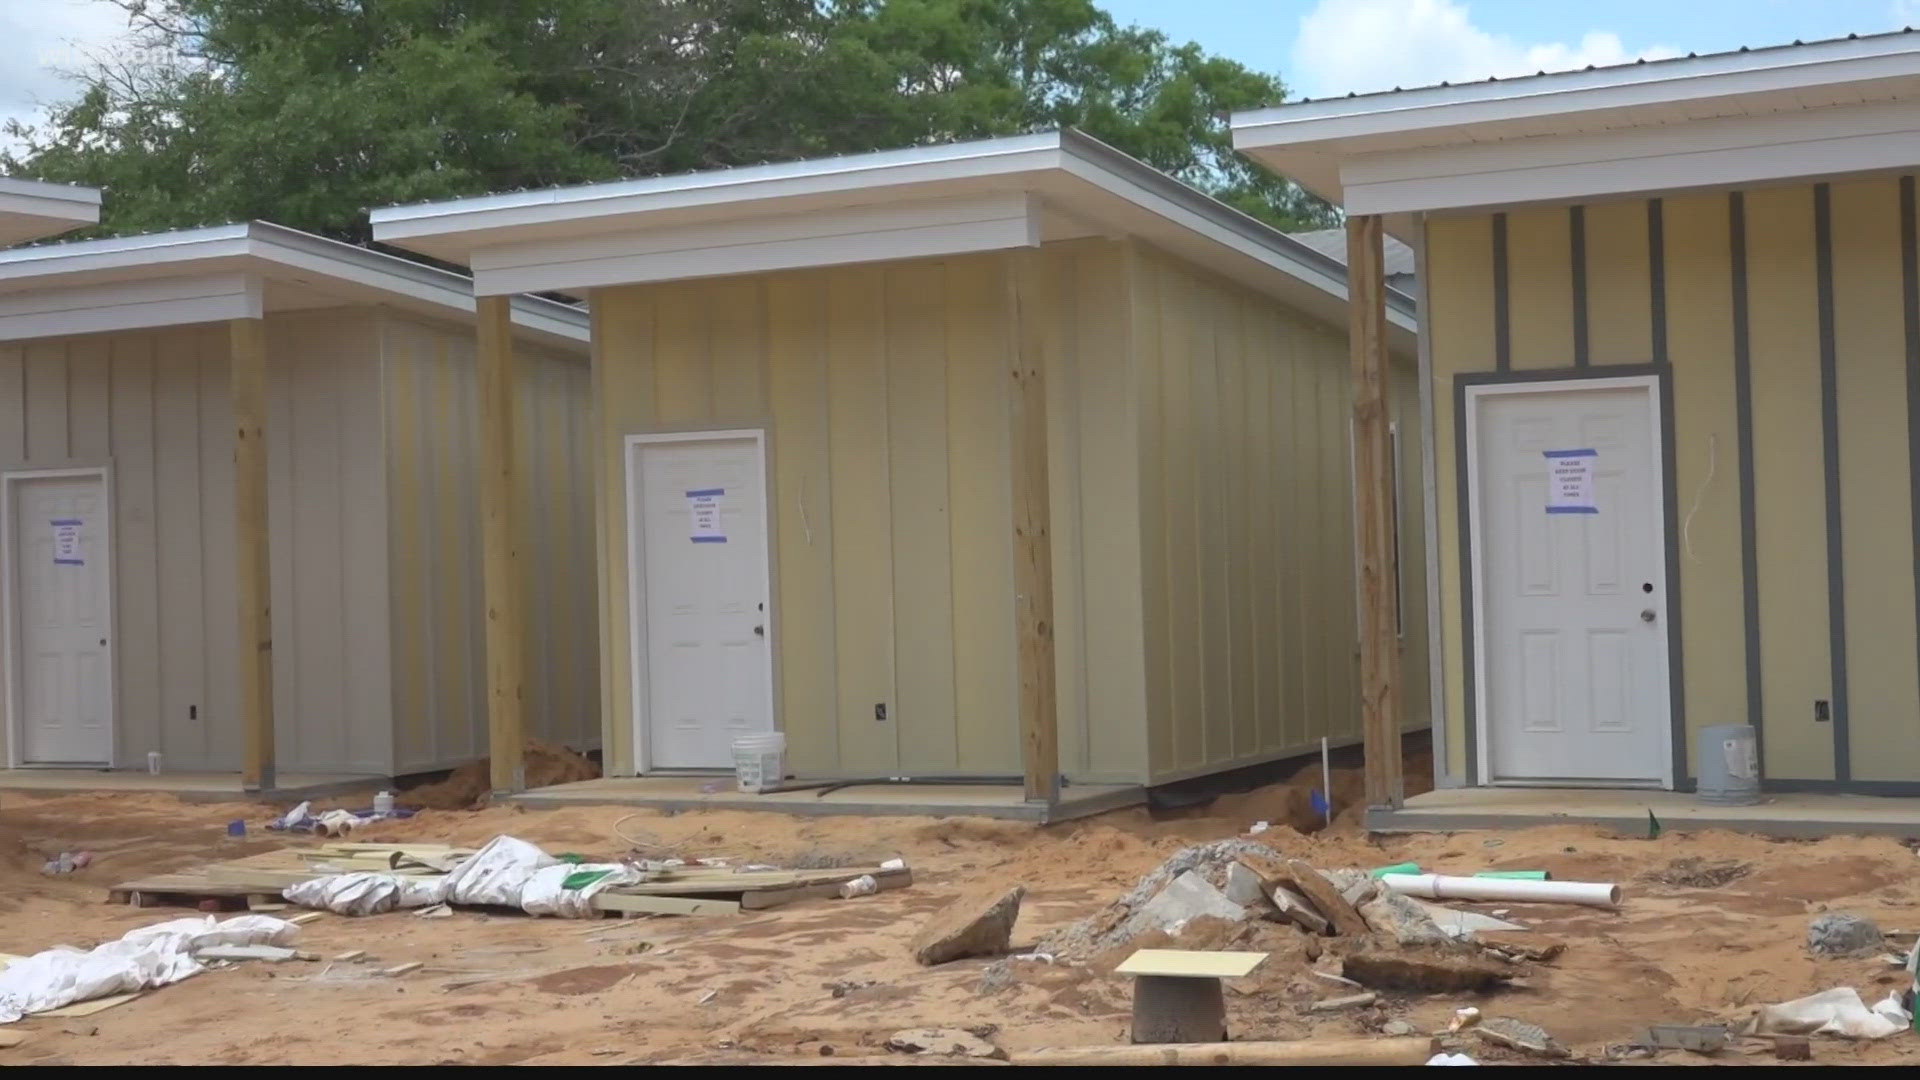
500 546
247 386
1032 531
1373 475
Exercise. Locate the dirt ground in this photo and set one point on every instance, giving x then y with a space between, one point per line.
1700 940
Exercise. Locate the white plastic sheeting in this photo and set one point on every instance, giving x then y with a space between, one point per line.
1838 1011
147 957
507 872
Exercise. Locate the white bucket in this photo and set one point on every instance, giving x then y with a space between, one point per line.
760 761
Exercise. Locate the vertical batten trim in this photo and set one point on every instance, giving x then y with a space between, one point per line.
1830 452
1577 244
1743 409
1657 276
1910 295
1502 330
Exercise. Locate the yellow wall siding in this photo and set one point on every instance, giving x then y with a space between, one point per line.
1876 480
436 609
1247 518
883 389
1782 271
1540 273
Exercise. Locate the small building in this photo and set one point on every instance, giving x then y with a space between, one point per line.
999 461
1671 352
198 427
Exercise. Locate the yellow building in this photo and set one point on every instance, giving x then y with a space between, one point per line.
131 443
854 415
1671 355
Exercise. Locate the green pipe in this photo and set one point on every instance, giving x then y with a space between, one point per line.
1396 868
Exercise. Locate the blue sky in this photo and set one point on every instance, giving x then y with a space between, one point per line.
1323 47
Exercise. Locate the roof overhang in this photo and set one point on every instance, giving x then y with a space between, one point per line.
1828 108
32 209
234 271
994 194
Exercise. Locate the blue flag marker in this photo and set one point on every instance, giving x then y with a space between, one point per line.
1320 804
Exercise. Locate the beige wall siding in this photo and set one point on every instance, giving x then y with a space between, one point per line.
1794 617
435 602
327 506
1247 524
882 389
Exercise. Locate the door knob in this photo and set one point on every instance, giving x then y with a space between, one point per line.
1647 615
761 630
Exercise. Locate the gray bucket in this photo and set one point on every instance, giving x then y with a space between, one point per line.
1728 765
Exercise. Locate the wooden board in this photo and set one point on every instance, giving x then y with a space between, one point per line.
663 905
762 899
1187 963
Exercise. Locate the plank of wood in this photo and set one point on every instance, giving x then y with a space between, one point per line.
1326 899
253 579
1028 290
763 899
663 905
1409 1051
88 1008
1189 963
1373 532
500 544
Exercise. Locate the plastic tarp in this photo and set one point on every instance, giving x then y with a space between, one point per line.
141 959
1838 1011
507 872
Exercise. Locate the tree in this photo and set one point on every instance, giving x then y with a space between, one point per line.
309 112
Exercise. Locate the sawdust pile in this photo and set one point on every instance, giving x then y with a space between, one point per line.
470 786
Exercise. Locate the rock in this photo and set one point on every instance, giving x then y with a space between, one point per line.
1431 969
1792 1048
943 1042
1519 1035
1521 944
1398 1027
1838 933
1185 898
80 1027
1290 906
978 924
1356 886
1244 886
1326 898
1401 919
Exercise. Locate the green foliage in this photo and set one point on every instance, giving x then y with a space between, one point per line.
309 112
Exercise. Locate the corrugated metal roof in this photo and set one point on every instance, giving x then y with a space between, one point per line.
1399 260
1744 49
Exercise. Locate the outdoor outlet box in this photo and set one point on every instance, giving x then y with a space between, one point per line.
1822 712
879 710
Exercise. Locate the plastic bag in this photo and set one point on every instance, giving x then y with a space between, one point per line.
497 873
546 892
145 957
367 892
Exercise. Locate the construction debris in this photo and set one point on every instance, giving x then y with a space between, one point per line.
1326 898
1294 1052
1186 898
146 957
979 924
1351 1001
944 1042
1839 933
1839 1011
1698 1038
1519 1035
1450 968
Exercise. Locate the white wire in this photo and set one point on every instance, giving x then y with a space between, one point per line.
1700 493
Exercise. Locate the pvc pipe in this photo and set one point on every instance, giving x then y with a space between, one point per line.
1326 781
1520 875
1511 890
1396 868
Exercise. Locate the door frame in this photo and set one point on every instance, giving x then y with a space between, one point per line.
637 654
10 480
1471 391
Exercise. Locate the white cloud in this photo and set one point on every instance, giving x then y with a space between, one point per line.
40 39
1362 45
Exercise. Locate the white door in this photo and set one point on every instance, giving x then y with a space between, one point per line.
1570 570
701 568
59 552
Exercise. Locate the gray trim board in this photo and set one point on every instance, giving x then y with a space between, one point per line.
1743 416
1502 297
1910 295
1676 659
1577 245
1445 770
1830 453
1657 276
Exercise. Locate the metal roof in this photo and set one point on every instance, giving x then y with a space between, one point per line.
1399 258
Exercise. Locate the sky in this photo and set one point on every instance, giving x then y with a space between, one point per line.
1319 47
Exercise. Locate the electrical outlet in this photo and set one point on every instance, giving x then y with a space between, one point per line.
879 710
1822 711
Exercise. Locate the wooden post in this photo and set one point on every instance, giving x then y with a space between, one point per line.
1373 501
500 546
247 387
1032 533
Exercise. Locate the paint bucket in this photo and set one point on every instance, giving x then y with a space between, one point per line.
153 763
759 761
1728 765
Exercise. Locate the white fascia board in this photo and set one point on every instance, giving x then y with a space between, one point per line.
32 209
129 305
1774 71
1697 154
453 229
881 233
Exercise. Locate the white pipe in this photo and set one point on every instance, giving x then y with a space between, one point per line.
1511 890
1326 782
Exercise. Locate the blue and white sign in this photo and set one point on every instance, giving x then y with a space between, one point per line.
66 543
1570 481
704 505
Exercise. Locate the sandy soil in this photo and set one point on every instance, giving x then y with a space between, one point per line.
833 978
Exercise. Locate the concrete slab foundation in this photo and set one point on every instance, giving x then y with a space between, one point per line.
876 800
186 786
1795 815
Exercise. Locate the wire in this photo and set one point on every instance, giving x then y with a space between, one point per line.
1700 493
651 843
